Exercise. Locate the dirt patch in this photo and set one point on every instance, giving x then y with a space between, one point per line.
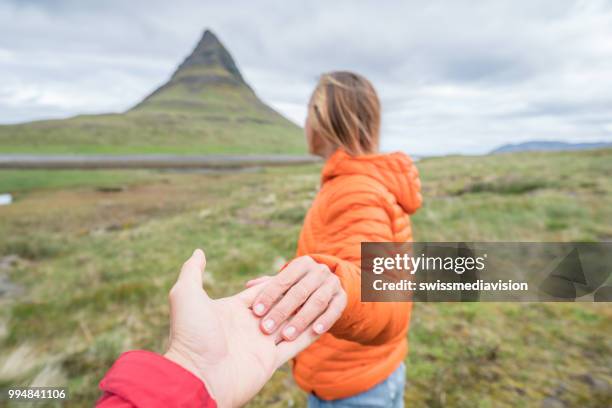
92 210
111 189
502 186
8 288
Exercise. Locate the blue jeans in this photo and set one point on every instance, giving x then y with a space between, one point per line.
387 394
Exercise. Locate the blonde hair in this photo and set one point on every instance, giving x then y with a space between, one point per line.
345 110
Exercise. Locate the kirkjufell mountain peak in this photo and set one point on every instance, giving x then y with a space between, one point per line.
205 107
210 52
209 64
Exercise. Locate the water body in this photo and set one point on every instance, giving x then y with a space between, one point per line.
6 199
28 161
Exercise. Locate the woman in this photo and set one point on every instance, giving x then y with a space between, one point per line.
365 196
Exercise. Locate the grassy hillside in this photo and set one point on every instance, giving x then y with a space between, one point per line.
157 132
205 108
95 253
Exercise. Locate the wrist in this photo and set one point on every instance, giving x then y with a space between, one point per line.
187 362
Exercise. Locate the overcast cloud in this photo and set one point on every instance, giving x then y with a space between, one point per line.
453 76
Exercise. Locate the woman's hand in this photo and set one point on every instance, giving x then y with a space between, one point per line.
304 293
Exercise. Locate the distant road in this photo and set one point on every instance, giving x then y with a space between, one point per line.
29 161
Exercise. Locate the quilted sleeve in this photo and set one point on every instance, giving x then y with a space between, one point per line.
358 212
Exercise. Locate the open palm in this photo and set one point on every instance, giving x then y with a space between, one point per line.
224 345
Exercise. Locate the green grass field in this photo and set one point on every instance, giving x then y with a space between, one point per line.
146 132
90 256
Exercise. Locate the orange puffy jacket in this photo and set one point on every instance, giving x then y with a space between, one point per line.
364 198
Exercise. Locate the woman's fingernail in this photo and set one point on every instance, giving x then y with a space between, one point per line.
259 308
289 331
268 324
318 328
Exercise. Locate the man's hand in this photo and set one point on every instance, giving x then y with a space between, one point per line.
220 340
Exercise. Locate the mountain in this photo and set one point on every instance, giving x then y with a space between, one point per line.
206 79
205 107
535 145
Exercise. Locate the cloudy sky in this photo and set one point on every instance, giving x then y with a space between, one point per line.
453 76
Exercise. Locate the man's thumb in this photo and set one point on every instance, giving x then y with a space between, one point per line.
192 270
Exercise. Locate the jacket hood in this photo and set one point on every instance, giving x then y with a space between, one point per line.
395 171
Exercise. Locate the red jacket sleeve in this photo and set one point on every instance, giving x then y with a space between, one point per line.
146 379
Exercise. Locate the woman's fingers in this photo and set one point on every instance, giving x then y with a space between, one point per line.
257 281
249 294
286 350
316 304
331 315
279 284
295 297
306 290
278 334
